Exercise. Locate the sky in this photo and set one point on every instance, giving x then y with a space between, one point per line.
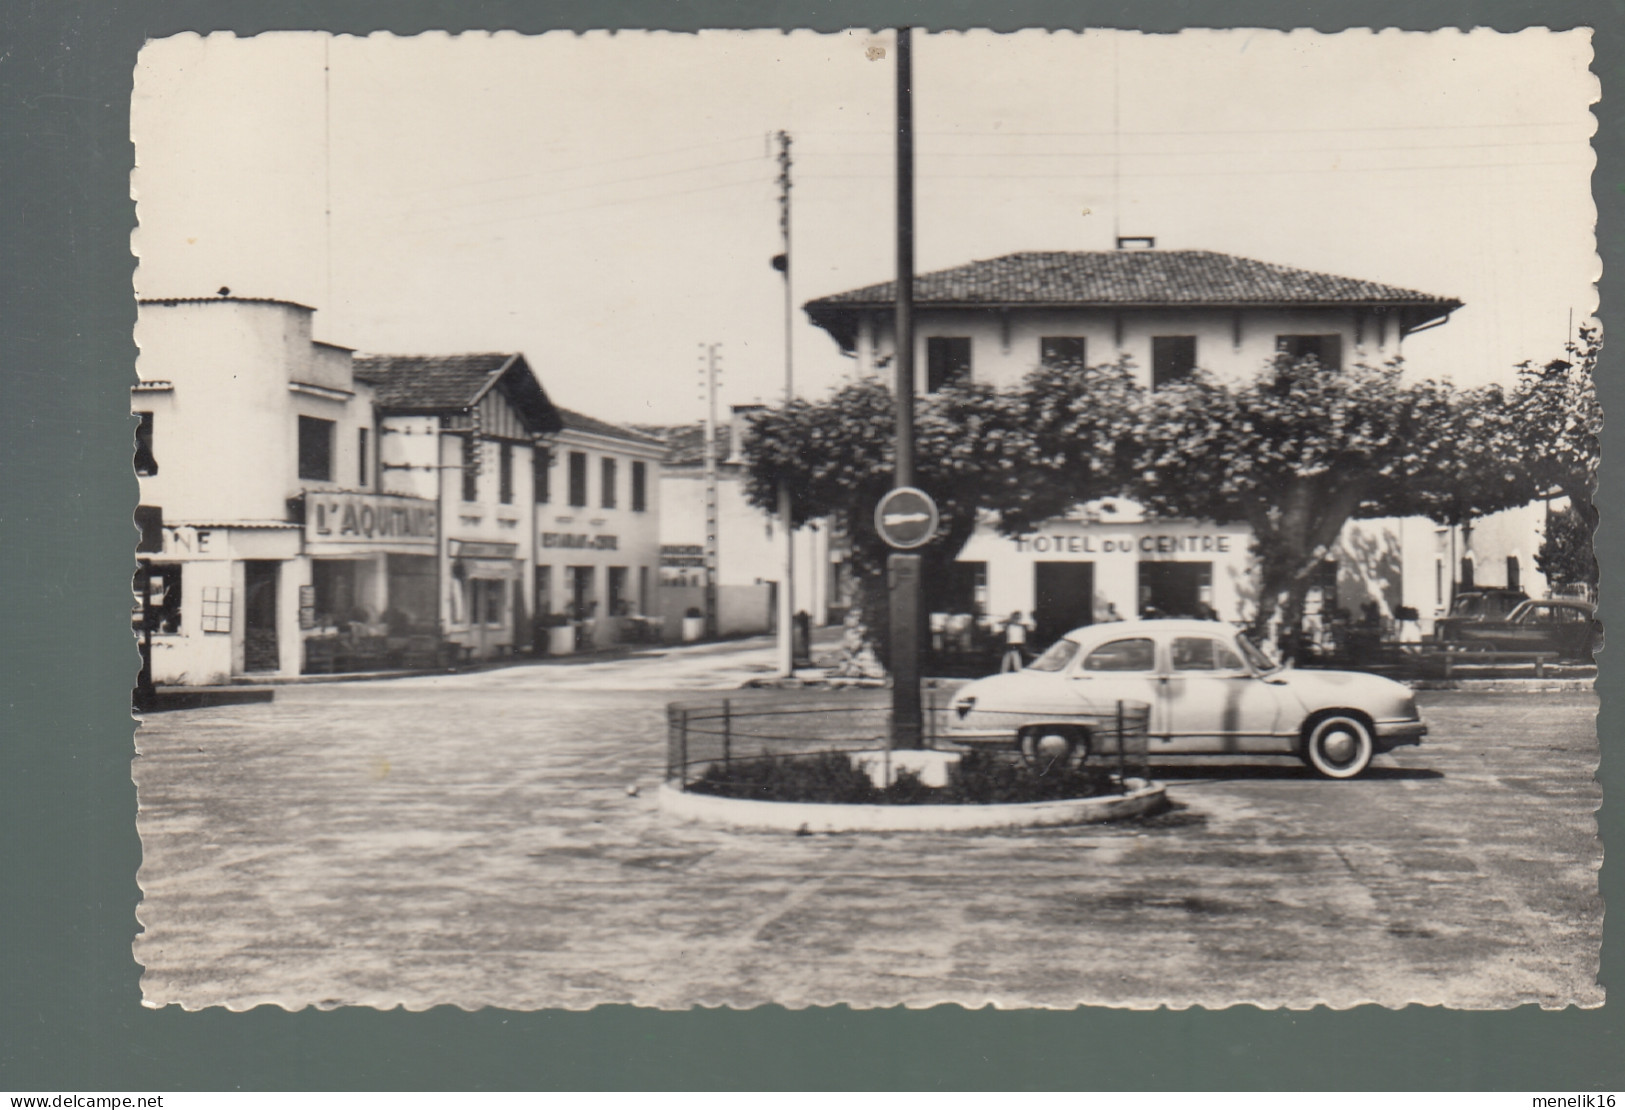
607 204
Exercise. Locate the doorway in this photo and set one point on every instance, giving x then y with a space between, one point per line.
260 649
1176 590
1063 598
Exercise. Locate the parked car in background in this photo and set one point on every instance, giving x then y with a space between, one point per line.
1210 691
1568 627
1474 607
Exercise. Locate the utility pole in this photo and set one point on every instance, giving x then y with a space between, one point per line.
903 570
709 358
787 585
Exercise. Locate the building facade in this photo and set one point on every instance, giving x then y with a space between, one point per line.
308 510
598 519
462 431
1166 312
749 542
264 524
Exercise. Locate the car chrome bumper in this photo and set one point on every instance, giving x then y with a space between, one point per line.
1395 733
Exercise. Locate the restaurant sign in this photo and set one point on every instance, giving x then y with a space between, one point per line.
377 520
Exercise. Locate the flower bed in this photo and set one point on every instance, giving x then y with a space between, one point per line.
976 778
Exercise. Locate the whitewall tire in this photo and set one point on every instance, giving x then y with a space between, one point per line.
1339 746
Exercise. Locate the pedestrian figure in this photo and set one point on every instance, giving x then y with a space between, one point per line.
1015 643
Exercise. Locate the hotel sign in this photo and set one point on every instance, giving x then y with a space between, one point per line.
375 520
1162 543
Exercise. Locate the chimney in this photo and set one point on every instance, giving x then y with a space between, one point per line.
1136 242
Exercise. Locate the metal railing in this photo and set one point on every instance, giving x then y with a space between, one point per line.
700 734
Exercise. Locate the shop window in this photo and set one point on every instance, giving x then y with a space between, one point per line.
578 479
361 439
1063 350
216 615
1327 350
1173 357
315 449
505 473
471 469
163 593
619 604
1138 654
640 487
947 359
606 482
541 474
145 464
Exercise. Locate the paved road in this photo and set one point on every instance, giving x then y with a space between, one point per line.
471 840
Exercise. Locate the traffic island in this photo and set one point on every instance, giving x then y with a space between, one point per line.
819 766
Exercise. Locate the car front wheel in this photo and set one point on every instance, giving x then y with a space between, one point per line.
1050 746
1338 746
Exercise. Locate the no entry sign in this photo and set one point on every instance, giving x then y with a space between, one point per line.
906 518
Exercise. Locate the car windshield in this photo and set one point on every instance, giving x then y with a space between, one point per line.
1467 605
1060 653
1249 651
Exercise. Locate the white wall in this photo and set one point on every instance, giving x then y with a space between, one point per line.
636 534
1005 347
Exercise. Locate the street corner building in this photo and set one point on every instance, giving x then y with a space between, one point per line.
1169 312
308 510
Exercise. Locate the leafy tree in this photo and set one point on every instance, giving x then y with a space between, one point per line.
1566 557
1558 422
1300 450
838 456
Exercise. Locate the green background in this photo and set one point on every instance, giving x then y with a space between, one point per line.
70 1012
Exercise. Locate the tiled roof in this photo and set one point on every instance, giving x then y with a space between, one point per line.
1132 277
428 383
1121 278
432 384
581 422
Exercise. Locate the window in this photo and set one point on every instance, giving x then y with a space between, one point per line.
606 482
505 473
471 469
145 465
1324 349
1513 573
640 487
163 594
1056 657
541 473
1172 357
361 456
1466 573
1202 653
578 479
947 359
618 601
1071 350
315 449
217 608
1137 654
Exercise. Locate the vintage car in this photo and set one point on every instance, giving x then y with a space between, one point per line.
1210 691
1568 627
1475 607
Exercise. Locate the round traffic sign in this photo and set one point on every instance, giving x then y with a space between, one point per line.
907 518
